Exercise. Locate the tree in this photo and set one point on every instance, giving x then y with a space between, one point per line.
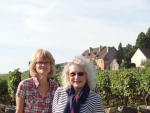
128 52
148 36
58 67
124 64
108 67
94 62
14 78
120 51
142 41
148 33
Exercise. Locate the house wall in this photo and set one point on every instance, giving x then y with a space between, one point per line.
114 65
106 63
100 63
112 54
138 57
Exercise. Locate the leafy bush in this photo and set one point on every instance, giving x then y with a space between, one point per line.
14 79
115 85
131 65
57 78
103 85
58 68
124 64
108 67
3 86
145 63
3 89
94 62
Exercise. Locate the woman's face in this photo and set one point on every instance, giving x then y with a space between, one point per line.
42 66
77 77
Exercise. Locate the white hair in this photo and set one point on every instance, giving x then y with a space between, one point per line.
88 68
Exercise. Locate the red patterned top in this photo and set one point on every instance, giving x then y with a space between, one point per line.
34 103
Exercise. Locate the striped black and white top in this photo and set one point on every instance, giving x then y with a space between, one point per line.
93 103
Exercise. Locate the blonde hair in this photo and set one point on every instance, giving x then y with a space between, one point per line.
88 68
42 54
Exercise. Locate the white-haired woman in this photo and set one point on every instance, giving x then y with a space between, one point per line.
35 95
76 95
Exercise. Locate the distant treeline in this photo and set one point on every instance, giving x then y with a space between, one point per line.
142 41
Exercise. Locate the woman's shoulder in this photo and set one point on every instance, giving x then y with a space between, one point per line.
53 83
24 84
60 89
26 81
94 95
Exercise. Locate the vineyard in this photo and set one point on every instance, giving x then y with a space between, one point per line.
130 87
124 87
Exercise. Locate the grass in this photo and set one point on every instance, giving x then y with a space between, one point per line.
4 77
23 76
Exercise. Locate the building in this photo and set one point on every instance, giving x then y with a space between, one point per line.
115 64
102 55
139 55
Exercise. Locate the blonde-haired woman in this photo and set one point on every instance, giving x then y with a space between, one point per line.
35 95
76 95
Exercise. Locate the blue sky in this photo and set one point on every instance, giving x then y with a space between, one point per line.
66 27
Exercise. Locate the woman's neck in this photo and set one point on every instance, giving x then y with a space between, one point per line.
77 91
42 80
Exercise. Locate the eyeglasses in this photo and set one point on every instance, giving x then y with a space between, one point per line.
45 63
79 74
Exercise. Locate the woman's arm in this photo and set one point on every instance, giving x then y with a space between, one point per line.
55 101
19 104
98 106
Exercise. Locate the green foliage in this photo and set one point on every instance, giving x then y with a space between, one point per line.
4 77
103 84
3 89
143 41
57 78
124 64
131 65
145 80
3 86
114 85
24 76
128 52
108 67
58 68
14 79
148 33
94 62
145 63
99 68
120 51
